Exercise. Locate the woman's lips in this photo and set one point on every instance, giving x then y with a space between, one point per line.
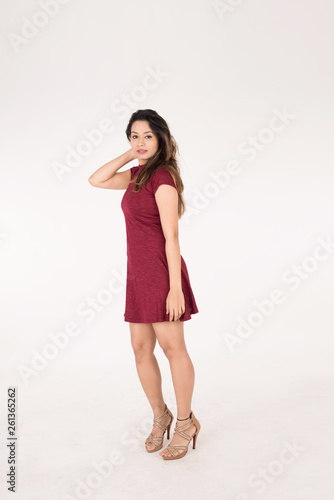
141 151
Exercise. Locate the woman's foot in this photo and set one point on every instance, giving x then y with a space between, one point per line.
179 440
157 431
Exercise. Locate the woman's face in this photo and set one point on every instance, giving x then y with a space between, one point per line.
143 140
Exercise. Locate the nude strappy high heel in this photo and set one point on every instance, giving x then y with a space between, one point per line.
157 441
175 449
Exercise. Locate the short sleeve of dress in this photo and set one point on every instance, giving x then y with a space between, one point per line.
134 171
161 176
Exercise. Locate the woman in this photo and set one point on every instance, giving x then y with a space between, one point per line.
159 297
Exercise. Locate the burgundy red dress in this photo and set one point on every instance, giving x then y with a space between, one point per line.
147 283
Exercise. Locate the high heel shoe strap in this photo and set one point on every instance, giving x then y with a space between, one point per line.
180 429
158 422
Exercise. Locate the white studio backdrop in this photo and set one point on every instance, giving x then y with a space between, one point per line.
246 88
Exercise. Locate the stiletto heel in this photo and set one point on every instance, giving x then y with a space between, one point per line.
194 440
196 434
157 441
168 429
175 449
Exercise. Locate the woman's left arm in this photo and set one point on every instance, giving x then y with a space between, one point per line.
167 201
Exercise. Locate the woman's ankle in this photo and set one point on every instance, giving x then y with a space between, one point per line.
182 418
159 410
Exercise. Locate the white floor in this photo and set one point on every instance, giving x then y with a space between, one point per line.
251 409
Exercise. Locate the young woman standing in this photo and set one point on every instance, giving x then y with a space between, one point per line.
159 297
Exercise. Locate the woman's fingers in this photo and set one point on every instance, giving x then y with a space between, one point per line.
174 314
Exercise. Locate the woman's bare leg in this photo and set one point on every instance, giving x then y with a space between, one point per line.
143 342
170 335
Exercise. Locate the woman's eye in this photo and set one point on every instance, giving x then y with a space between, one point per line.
147 136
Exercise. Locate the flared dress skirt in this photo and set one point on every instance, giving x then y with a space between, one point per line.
147 282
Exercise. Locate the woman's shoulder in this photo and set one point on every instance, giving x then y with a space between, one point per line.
161 175
163 169
134 171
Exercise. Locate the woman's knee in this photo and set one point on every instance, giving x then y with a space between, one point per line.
143 342
142 350
173 350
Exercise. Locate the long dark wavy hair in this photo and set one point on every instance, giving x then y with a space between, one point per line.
165 156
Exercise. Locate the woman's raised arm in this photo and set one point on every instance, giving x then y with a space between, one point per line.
106 176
